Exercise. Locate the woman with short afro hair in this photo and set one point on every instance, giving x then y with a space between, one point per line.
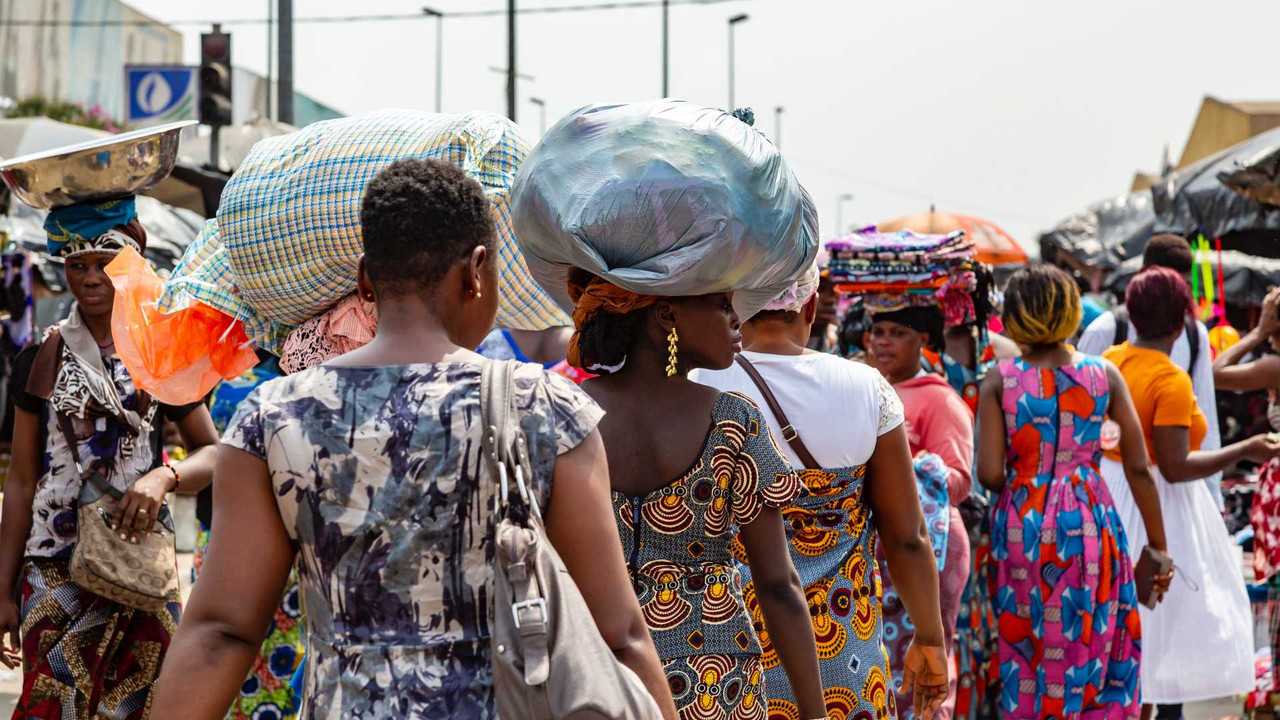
1064 592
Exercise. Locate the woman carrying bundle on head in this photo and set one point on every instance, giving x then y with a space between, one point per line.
861 495
1064 593
87 468
364 468
656 223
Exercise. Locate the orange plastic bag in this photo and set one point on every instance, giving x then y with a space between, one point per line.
177 357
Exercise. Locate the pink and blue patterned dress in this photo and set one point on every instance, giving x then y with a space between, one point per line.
1065 601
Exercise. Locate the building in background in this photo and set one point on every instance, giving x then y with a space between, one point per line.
80 54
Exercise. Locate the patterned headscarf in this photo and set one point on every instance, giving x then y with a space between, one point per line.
90 228
794 298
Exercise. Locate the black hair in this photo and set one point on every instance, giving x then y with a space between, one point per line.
1170 251
606 338
418 218
923 319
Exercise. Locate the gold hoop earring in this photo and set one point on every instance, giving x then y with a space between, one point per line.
672 338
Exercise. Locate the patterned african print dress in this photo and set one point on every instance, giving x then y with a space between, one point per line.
1063 589
677 541
266 693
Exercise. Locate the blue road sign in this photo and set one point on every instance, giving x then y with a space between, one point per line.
160 93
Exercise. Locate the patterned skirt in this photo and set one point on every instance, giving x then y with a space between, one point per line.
718 687
83 656
268 694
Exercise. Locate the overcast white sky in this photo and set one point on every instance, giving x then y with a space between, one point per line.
1021 111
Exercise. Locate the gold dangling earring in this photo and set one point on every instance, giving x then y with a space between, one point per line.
672 338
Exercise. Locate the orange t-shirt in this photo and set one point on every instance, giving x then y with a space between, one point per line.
1161 392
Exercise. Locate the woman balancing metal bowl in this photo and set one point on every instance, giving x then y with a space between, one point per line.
661 224
79 416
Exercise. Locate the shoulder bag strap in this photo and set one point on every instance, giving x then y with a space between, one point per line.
1121 314
788 430
1192 328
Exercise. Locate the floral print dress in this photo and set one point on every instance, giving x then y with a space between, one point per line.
1063 591
376 476
677 542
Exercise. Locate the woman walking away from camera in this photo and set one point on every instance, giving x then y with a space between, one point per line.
861 494
1206 615
1064 592
83 432
361 467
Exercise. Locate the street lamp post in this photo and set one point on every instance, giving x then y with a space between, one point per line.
439 16
840 201
666 49
741 17
777 126
542 114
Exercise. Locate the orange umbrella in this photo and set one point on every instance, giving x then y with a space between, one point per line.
995 246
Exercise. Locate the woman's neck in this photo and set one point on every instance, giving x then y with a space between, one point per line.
774 338
99 327
408 333
1162 345
1048 355
903 374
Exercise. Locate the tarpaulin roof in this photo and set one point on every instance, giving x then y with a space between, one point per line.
1196 199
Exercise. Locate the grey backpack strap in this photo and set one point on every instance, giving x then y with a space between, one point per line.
1121 315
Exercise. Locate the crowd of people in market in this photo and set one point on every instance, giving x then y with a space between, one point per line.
607 425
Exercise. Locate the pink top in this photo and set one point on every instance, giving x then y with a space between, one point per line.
938 421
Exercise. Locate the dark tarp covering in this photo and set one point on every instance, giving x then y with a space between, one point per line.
1105 234
1259 179
1195 199
1246 277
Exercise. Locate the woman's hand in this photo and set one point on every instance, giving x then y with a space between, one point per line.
1261 448
1269 322
10 643
924 674
140 507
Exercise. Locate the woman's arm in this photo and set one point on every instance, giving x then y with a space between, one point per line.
1133 453
1261 374
991 441
580 525
786 612
948 433
895 506
15 526
1177 463
141 504
221 631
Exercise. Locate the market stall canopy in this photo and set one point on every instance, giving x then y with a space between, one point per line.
1246 278
1196 199
1105 234
1258 179
995 246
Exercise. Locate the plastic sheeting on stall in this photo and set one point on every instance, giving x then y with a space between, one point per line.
1104 235
1196 199
1246 278
663 198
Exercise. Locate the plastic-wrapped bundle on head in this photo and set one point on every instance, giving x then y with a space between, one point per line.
663 198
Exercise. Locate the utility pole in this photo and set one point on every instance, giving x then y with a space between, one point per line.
284 102
666 49
733 21
840 201
542 109
777 127
511 60
439 16
271 54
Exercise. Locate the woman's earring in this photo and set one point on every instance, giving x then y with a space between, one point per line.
672 338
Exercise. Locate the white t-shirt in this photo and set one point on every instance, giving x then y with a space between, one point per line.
839 407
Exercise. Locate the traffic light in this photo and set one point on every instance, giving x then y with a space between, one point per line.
215 79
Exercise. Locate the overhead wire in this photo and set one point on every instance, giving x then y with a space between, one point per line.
386 17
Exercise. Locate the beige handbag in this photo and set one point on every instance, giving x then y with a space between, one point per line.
142 575
549 660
